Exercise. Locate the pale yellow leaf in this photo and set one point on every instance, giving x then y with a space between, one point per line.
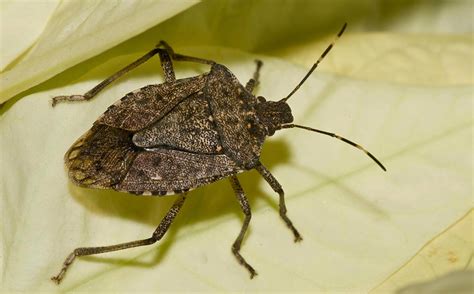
451 252
77 31
409 105
21 23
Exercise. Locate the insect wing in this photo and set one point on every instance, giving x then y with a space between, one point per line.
165 171
140 108
101 157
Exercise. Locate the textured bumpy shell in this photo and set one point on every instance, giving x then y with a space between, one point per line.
170 138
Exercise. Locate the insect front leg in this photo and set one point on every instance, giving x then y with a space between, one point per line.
157 235
277 188
255 80
244 204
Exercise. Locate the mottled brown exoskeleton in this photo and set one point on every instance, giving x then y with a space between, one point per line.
172 137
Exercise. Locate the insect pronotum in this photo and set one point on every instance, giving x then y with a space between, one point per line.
172 137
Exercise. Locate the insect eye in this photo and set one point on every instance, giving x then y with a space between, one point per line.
250 120
261 99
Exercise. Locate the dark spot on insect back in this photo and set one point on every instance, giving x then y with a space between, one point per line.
98 166
156 161
141 174
142 101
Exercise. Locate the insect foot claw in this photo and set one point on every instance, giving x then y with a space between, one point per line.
57 279
253 273
58 99
296 234
251 270
298 238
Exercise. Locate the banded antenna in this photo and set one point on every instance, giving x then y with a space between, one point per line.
317 63
289 126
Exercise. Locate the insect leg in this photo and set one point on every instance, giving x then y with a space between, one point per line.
277 188
255 80
180 57
157 235
167 66
244 204
94 91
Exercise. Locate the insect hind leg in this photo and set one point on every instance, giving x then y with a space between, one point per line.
277 188
244 204
157 235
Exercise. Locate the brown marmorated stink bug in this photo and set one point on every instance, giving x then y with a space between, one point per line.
179 135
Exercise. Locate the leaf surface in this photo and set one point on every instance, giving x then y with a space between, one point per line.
405 94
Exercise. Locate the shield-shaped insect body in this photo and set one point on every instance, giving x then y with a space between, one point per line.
172 137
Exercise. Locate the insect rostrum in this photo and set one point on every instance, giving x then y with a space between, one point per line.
172 137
